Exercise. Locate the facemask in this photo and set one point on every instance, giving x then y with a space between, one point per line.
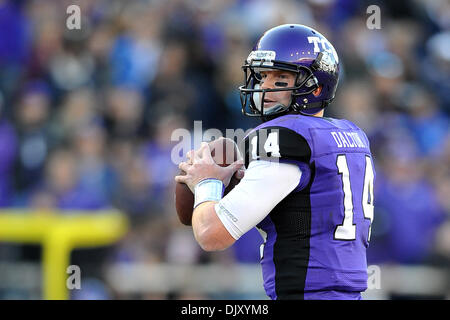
257 99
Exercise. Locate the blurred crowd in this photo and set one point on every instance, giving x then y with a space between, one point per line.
86 116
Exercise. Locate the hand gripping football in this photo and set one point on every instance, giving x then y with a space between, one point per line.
224 152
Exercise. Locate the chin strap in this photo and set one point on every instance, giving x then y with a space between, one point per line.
275 109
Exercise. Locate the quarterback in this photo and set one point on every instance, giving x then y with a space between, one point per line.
308 183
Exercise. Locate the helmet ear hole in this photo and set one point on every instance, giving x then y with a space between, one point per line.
318 91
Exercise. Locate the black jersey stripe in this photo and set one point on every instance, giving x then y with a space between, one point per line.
292 220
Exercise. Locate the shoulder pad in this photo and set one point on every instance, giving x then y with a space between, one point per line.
276 143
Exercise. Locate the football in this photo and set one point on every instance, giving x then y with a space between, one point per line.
224 152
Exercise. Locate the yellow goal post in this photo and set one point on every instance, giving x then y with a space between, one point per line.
59 233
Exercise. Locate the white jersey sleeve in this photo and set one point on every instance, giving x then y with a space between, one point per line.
264 185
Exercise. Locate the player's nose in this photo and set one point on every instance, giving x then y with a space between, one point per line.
268 83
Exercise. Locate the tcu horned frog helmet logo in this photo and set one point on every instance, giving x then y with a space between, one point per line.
298 49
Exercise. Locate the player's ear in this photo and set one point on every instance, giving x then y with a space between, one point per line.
317 92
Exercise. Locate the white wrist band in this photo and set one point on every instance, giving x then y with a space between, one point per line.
208 190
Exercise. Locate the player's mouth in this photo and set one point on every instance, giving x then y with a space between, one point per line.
269 102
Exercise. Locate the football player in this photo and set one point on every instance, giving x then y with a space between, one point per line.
308 184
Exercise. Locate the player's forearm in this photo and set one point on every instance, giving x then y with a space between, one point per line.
209 231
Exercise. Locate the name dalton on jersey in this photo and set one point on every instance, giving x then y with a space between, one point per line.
346 139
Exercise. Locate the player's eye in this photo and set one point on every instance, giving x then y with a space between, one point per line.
260 76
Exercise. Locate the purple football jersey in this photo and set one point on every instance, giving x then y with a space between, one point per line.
316 237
